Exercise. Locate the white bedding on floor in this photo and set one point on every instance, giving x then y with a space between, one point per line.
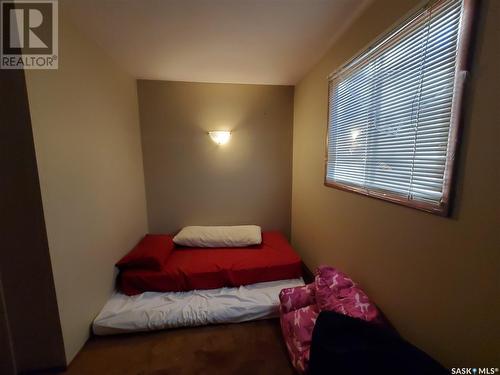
153 311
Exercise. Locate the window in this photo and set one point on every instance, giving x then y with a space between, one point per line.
394 110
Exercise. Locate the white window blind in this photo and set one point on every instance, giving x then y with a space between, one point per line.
391 111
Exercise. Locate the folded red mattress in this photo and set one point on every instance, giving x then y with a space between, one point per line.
190 268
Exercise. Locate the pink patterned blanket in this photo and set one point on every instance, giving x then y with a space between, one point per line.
299 307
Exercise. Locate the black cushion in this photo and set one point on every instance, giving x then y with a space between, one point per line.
345 345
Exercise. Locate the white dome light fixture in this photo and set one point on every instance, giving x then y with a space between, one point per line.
221 137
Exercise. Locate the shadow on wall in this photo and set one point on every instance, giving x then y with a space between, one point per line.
29 319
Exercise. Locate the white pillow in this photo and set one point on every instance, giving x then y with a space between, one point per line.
219 236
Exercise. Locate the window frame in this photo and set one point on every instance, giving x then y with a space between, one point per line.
464 54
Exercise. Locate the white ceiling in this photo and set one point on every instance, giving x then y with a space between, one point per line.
237 41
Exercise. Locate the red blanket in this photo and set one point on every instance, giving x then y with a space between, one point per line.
210 268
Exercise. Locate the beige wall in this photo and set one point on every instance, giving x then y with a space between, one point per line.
31 324
437 279
87 141
192 181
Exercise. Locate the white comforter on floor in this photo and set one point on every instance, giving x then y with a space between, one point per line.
152 311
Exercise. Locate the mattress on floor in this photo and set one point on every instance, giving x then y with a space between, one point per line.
153 311
209 268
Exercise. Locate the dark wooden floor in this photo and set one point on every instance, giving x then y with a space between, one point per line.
247 348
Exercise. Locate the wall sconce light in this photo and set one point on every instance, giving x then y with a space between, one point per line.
220 137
